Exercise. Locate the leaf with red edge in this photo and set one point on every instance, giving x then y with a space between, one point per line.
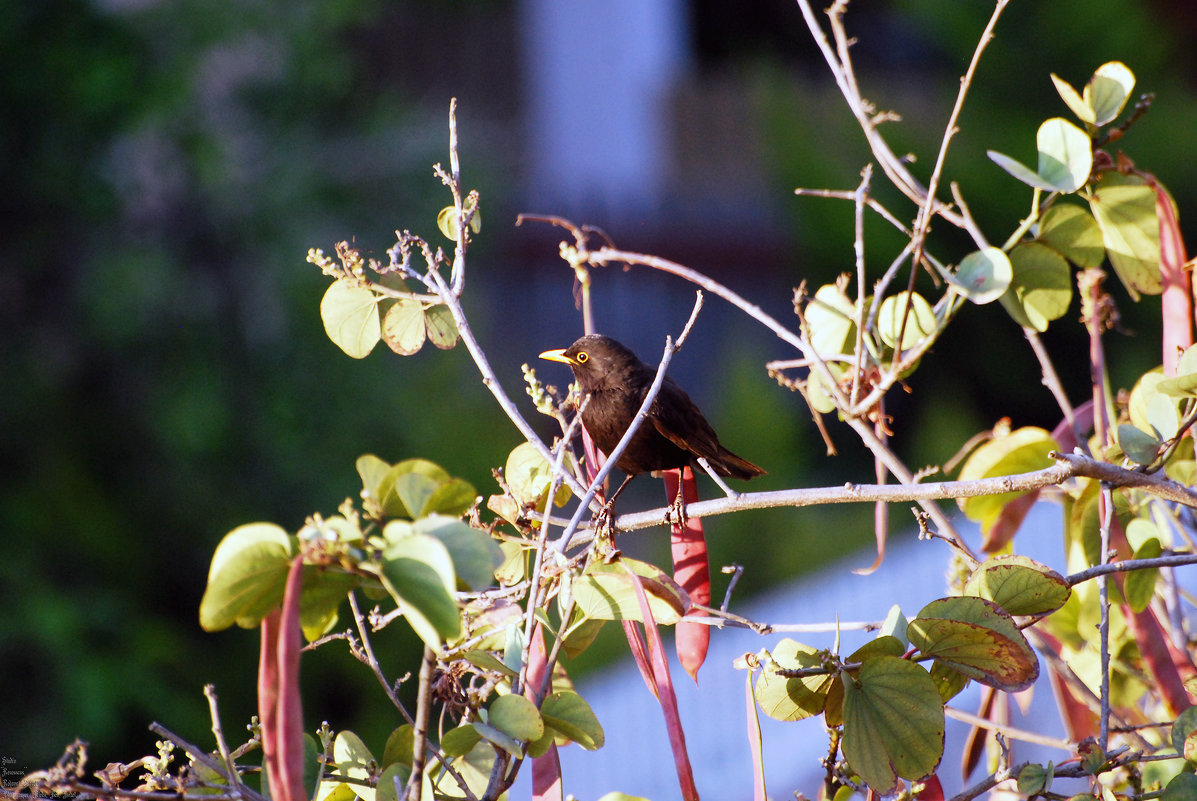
691 570
659 664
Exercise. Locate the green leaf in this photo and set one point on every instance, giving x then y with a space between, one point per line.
350 315
949 681
1139 586
446 221
1020 451
783 698
977 638
1019 585
459 741
1182 730
1126 213
400 746
895 624
372 471
442 328
1070 230
983 275
1108 90
403 326
883 645
1181 787
247 576
1138 445
455 497
408 488
1072 98
893 722
499 738
910 307
418 573
324 590
515 716
352 760
474 767
1184 384
1041 287
475 555
1065 158
829 316
569 714
605 592
530 476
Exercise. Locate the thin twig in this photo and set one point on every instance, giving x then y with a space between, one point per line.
221 745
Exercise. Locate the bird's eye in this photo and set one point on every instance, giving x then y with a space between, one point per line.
582 357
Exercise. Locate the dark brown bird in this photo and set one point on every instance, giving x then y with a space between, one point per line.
675 433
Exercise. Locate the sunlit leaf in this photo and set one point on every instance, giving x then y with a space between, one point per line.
570 715
1108 90
1139 586
475 555
983 275
908 315
829 317
1040 288
1019 585
515 716
530 476
605 592
350 315
977 638
1184 384
1137 444
1070 230
893 722
785 698
418 573
352 761
442 328
1022 450
247 576
403 326
1065 158
1126 212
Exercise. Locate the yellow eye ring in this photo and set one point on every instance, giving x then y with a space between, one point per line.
582 357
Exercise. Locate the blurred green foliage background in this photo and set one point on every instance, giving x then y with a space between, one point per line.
166 377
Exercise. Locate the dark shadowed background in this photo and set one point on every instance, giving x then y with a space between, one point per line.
165 375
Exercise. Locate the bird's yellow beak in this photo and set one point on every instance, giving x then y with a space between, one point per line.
557 356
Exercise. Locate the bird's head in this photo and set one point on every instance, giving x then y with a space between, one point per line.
597 361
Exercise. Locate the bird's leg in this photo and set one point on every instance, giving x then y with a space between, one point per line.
676 515
606 515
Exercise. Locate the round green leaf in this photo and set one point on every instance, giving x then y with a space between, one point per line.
352 760
1020 451
983 275
1184 384
1108 90
530 476
1072 98
323 593
783 698
247 576
1071 231
1182 787
516 716
350 315
1065 155
459 741
1183 730
474 767
893 722
569 714
446 221
910 307
1041 287
605 592
977 638
1139 586
829 316
442 328
1138 445
403 326
1019 585
1126 212
475 555
418 573
400 746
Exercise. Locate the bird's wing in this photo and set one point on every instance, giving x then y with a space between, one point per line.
677 419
